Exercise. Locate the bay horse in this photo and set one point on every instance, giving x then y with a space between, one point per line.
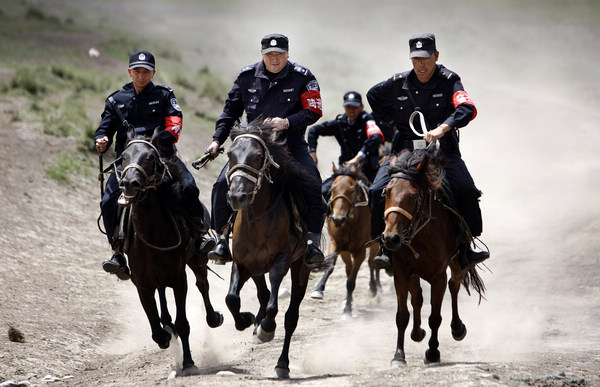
423 237
159 244
349 226
265 237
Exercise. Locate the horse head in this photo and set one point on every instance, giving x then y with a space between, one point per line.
348 191
249 165
143 169
414 177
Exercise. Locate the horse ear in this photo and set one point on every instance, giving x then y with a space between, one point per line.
155 135
423 165
333 167
130 133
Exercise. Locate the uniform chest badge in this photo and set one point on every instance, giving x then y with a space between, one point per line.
252 90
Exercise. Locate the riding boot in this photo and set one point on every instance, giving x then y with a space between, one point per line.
117 264
469 258
314 257
202 245
221 253
382 260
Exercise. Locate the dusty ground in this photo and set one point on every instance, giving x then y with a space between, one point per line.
532 150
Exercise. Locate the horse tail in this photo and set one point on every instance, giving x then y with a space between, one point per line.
472 280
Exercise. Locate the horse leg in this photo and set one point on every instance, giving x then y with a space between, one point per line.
438 288
263 294
266 329
161 336
351 273
402 316
182 325
318 292
165 316
299 284
459 330
213 318
416 300
374 278
239 276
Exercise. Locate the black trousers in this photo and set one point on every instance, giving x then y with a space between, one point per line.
459 180
221 212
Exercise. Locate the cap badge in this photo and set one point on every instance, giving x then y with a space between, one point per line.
142 57
273 42
419 44
350 96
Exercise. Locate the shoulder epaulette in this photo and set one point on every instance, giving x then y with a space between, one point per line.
399 76
164 88
113 93
300 69
247 68
448 74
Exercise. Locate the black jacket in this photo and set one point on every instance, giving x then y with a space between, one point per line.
351 137
155 106
442 100
293 94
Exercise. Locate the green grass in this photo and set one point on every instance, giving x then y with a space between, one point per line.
66 166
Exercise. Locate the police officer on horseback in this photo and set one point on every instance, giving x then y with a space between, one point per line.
438 94
143 105
288 96
357 134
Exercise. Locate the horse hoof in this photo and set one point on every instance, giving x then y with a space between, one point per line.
189 371
282 373
432 356
264 336
216 321
317 294
346 316
398 363
419 335
246 319
459 334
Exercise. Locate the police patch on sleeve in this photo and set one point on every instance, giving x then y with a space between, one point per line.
175 104
312 85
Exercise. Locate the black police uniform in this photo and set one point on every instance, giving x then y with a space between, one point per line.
144 111
293 93
353 138
441 100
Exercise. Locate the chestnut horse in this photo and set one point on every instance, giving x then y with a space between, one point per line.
423 236
159 244
349 225
266 237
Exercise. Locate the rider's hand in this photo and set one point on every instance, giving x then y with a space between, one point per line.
213 149
101 144
278 123
437 133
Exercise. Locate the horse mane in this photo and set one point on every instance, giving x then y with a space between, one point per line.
424 166
290 175
355 173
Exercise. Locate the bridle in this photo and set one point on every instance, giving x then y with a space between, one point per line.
354 202
151 182
418 219
256 176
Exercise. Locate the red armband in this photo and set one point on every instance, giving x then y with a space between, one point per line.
372 129
173 126
312 100
461 97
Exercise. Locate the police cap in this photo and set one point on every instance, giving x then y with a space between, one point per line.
352 98
142 59
422 45
274 43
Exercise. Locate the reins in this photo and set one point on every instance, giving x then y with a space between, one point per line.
353 202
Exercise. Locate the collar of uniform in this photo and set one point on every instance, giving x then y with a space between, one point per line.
414 83
148 89
261 68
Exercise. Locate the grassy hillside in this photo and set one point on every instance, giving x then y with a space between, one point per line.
64 71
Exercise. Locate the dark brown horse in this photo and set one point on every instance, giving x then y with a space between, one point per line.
349 225
423 237
159 243
266 237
